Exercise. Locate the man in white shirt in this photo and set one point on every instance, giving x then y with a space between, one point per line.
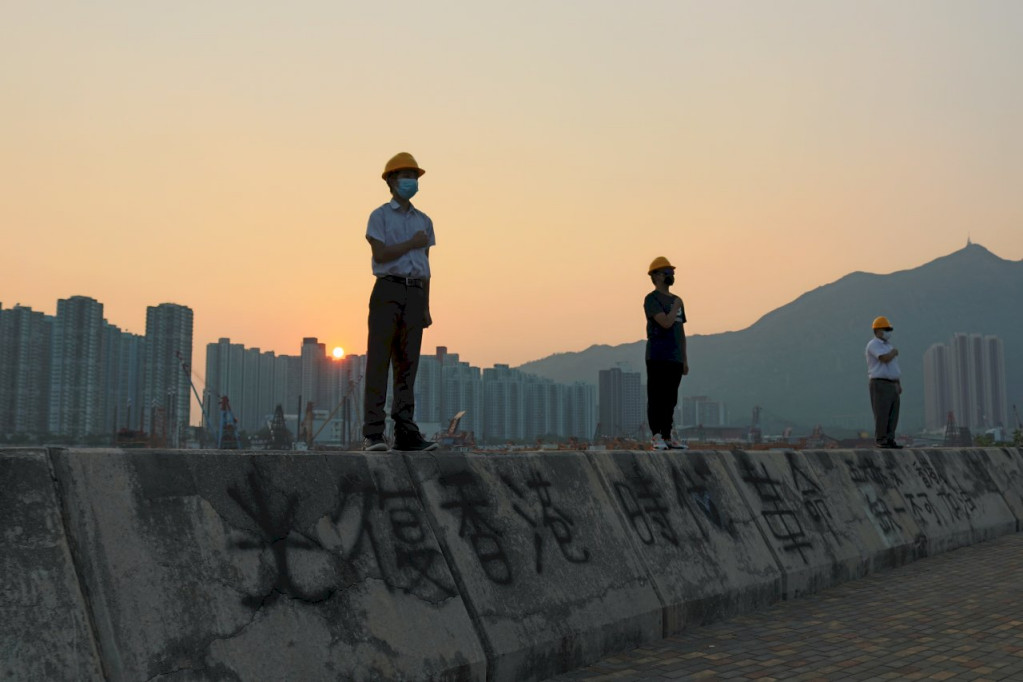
400 237
885 384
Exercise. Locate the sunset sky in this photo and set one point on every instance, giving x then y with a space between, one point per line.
225 155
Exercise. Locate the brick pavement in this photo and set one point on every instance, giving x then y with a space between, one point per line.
955 616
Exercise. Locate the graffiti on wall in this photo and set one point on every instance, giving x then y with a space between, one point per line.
373 530
539 515
782 516
275 535
658 512
392 534
645 506
932 500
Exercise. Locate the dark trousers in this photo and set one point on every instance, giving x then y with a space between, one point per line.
884 401
395 337
662 380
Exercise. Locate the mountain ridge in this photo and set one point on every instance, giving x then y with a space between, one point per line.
803 362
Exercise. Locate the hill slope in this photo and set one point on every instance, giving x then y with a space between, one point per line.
803 363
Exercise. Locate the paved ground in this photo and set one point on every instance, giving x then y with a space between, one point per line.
956 616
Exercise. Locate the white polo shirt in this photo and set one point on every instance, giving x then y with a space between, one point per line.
877 369
389 226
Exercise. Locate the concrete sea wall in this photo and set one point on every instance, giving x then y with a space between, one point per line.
207 565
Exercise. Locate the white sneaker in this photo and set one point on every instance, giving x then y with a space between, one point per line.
676 444
657 442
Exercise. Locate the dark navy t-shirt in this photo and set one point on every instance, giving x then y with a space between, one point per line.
661 343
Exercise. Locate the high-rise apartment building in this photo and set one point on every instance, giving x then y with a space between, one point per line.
996 404
256 382
501 404
76 405
937 386
967 378
621 403
446 386
504 405
701 410
166 387
25 337
122 379
580 410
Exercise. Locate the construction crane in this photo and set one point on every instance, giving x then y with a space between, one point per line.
352 386
755 434
305 428
280 436
227 438
187 369
956 436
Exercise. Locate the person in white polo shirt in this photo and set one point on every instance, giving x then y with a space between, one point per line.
400 236
885 383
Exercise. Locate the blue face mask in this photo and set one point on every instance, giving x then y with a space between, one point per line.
407 188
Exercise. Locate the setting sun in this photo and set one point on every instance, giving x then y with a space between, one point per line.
339 352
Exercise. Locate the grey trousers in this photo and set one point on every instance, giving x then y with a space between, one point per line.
884 401
396 314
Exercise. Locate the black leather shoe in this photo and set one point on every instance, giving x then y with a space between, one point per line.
894 446
414 443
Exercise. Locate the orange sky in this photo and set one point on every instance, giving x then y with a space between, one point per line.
226 156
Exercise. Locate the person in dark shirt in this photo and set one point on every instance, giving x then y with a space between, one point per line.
666 360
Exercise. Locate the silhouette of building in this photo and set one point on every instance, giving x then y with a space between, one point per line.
522 408
256 382
937 386
75 375
620 402
504 404
445 386
25 340
580 410
166 388
966 377
76 403
122 379
701 410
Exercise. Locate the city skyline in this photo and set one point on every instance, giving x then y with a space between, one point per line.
172 153
80 335
76 376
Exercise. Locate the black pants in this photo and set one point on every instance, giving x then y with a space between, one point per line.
395 338
662 380
884 401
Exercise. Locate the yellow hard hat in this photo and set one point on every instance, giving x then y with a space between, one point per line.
399 162
882 323
659 263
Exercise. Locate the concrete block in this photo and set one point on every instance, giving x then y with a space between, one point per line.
246 566
694 533
864 495
799 520
44 624
965 493
542 558
1005 466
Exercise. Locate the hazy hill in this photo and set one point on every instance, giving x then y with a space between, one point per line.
804 363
